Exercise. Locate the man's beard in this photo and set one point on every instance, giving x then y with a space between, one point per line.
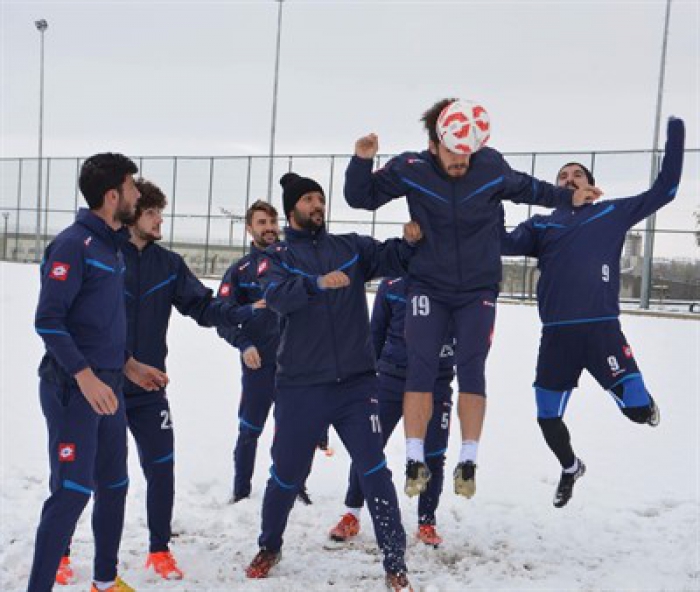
453 170
265 239
307 222
123 215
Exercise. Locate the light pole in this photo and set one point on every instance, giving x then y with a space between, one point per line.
651 220
274 100
41 26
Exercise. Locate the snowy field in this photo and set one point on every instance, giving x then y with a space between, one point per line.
633 523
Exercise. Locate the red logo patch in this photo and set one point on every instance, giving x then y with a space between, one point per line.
627 350
262 266
225 290
59 271
66 452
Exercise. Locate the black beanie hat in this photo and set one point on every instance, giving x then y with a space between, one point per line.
589 175
293 187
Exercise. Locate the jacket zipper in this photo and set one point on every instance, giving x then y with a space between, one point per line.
456 230
330 316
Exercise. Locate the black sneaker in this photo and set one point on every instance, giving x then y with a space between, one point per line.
465 479
565 489
303 497
655 414
417 477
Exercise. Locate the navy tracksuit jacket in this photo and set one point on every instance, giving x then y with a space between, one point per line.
326 373
578 249
82 320
460 217
240 284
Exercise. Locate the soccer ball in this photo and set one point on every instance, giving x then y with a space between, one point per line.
463 127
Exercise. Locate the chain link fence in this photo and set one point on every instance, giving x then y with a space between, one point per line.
208 197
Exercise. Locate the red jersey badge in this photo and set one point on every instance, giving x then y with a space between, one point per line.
59 271
66 452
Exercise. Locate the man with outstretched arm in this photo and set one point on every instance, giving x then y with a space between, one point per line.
578 253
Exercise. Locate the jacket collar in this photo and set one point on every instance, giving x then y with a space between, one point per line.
255 250
291 234
96 225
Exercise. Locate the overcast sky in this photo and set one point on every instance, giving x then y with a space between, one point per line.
195 78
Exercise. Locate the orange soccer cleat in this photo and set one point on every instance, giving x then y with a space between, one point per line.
348 527
428 535
164 565
65 574
118 586
262 563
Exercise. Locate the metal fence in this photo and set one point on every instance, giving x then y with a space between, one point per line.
208 197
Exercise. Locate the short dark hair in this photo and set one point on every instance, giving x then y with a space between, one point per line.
589 176
260 206
151 197
430 118
101 173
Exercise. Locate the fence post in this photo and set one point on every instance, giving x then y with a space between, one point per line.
206 239
247 203
19 206
330 194
47 195
174 211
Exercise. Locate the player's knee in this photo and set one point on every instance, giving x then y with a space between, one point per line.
638 414
471 377
248 432
159 470
113 488
247 436
632 393
551 404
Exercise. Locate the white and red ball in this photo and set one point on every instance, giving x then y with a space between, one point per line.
463 127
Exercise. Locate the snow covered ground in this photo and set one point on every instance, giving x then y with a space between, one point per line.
633 523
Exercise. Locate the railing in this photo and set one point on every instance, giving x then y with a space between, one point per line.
208 197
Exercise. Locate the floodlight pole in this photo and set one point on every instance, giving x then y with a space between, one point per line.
274 101
651 220
41 26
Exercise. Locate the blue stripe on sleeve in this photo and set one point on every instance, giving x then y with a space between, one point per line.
41 331
99 265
